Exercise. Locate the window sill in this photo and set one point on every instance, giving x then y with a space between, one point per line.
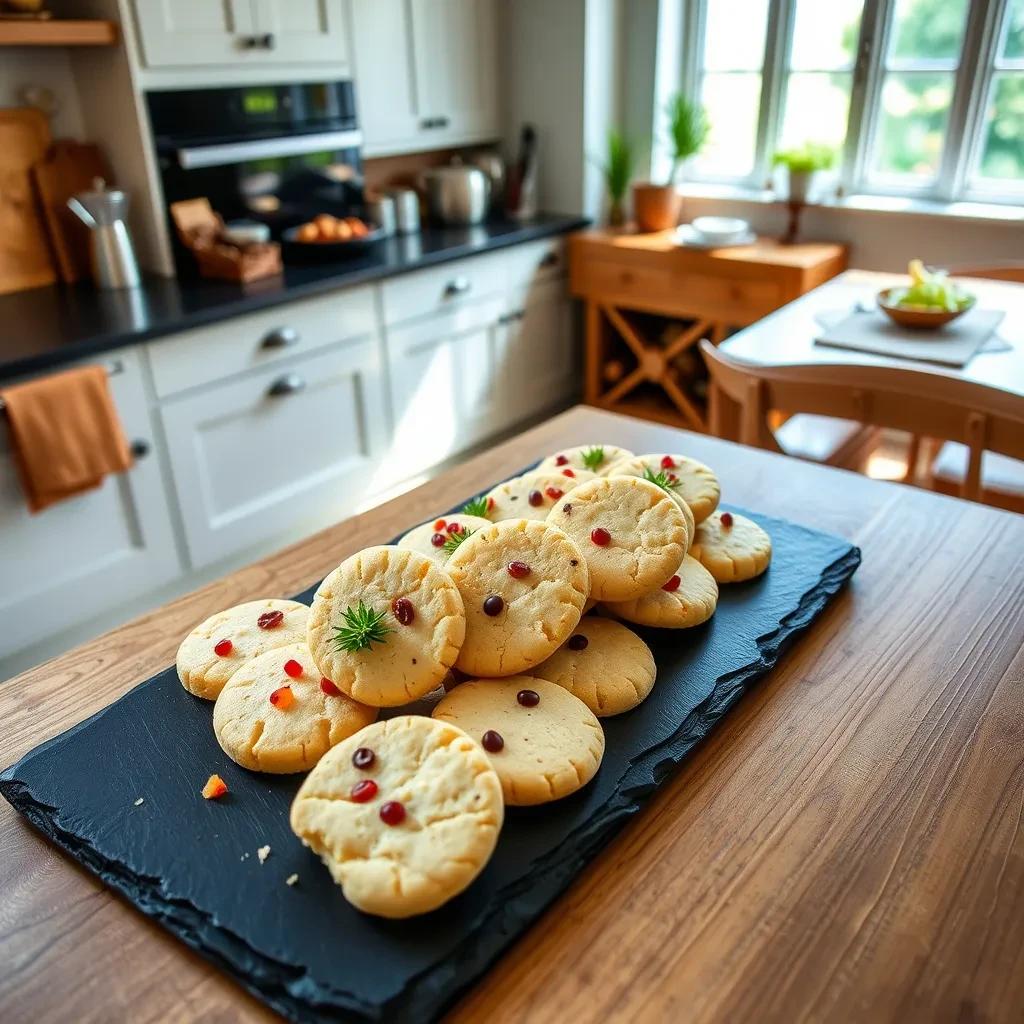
902 205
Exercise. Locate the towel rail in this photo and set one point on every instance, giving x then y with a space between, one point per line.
113 369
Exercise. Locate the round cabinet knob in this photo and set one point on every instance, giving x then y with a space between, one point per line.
267 41
139 448
457 286
280 337
289 384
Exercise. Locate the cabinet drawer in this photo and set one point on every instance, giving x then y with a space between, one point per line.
439 289
260 339
293 446
730 299
535 261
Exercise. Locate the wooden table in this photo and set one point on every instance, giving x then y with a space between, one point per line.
846 845
630 282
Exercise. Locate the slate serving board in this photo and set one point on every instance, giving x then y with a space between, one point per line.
191 864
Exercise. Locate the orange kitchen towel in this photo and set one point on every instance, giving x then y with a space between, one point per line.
65 434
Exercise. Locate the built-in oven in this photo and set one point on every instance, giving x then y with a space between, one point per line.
274 153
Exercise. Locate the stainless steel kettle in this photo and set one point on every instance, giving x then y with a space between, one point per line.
103 211
456 194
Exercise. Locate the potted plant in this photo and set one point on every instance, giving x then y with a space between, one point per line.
801 165
656 207
620 159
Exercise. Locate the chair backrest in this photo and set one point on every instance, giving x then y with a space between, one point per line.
929 404
995 271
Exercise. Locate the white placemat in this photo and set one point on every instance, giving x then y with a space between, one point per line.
870 330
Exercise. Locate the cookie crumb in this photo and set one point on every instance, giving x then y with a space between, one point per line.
263 853
291 880
139 802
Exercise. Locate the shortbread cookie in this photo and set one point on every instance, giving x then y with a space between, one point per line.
691 480
544 743
277 714
531 496
220 645
688 598
732 547
441 536
631 533
603 663
405 814
386 626
653 468
598 458
523 585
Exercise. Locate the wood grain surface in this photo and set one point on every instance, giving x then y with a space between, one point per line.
845 846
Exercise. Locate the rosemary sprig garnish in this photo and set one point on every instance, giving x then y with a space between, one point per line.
455 538
661 479
593 457
476 506
363 627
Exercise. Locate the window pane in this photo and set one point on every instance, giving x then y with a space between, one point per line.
929 29
732 102
734 35
817 107
825 34
1013 45
1002 156
912 123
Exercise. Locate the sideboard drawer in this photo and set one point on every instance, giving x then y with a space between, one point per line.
735 300
260 339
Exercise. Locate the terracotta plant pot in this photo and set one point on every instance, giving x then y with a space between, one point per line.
656 207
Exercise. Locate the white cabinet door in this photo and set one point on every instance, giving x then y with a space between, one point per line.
455 56
98 551
291 447
177 33
384 75
301 31
425 72
541 350
445 393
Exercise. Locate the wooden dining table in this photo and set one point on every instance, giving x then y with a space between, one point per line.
787 338
846 845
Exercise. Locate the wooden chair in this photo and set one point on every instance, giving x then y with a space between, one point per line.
1002 479
981 419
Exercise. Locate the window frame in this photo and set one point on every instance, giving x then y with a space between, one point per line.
986 23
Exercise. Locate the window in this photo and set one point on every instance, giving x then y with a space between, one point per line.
918 97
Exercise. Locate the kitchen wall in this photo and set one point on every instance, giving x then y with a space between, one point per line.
47 67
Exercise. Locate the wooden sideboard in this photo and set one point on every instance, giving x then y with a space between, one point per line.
650 301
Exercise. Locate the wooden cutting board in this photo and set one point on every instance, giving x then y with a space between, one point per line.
25 260
69 168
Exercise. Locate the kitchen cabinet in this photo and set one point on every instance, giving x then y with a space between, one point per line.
97 551
540 349
426 73
447 384
181 33
298 444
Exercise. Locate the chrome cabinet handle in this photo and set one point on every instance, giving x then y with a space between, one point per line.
457 286
289 384
280 337
435 122
248 42
509 318
267 41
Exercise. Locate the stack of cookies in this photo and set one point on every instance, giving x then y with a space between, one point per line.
485 611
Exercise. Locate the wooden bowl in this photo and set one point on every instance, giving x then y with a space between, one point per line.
919 319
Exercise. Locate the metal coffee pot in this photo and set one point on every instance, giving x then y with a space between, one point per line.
103 210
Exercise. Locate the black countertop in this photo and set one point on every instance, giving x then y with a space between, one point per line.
45 328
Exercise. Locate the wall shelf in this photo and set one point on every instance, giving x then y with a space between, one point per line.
57 32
